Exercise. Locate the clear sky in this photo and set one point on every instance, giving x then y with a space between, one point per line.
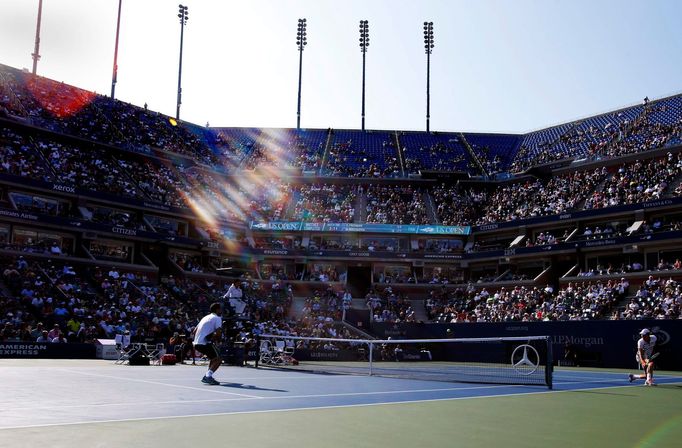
498 65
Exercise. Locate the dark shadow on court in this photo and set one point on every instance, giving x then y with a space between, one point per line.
601 393
677 387
250 387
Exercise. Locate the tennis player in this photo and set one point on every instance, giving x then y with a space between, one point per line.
645 348
209 330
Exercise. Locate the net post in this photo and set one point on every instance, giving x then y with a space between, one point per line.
549 367
257 349
371 350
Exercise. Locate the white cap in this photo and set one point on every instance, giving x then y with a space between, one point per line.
644 331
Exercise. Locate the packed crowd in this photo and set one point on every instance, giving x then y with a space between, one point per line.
82 304
396 205
178 185
585 301
635 182
655 299
537 198
324 203
74 111
19 159
388 306
454 207
70 110
511 202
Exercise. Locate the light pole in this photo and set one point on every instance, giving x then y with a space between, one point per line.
36 49
115 73
364 43
183 16
301 42
428 47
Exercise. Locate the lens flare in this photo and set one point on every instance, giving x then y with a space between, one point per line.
59 99
668 431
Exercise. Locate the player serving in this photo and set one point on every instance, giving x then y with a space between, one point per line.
645 350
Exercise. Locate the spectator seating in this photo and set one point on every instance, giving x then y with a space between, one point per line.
363 154
494 151
432 151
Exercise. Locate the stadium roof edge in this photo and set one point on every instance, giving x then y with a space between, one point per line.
511 134
608 112
570 122
522 134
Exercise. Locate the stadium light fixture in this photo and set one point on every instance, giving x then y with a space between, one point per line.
301 42
114 76
183 16
36 48
364 43
428 48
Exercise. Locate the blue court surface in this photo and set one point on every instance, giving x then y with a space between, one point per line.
56 393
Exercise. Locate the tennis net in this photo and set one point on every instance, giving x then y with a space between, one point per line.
509 360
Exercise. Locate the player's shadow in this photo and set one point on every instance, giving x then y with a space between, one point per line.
250 387
671 386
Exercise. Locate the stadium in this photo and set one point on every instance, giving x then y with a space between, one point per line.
376 287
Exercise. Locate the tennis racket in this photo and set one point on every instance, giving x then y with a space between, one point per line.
651 358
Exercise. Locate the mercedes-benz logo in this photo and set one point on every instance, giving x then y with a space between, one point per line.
525 359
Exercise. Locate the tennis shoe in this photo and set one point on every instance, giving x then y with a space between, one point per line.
631 377
211 381
650 383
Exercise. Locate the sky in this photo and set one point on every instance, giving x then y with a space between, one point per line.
497 66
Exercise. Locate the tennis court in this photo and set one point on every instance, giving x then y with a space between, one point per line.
96 403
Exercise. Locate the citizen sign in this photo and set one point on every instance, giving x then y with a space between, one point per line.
122 231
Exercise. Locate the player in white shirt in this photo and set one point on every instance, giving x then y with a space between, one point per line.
645 348
208 330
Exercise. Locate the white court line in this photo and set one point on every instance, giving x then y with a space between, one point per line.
202 389
577 373
168 417
289 397
592 379
282 397
236 379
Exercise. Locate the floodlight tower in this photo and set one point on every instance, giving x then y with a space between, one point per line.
183 16
364 43
301 42
428 47
36 49
115 73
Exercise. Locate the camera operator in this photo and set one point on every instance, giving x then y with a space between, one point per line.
183 348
